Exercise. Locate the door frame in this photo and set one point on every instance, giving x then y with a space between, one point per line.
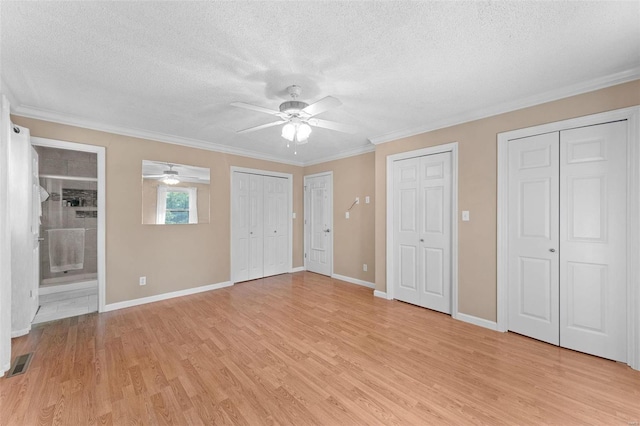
306 210
100 152
632 115
289 178
451 147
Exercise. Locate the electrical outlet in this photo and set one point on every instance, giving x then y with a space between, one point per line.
364 267
357 200
367 200
143 280
465 215
346 215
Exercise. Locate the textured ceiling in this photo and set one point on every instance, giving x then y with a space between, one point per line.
173 68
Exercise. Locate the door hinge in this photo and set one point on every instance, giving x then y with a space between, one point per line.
305 255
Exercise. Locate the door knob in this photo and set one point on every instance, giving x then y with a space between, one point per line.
552 250
275 232
422 240
327 230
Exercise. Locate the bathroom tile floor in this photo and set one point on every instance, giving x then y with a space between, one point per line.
66 304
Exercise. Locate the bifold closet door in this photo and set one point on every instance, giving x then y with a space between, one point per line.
567 238
422 231
261 228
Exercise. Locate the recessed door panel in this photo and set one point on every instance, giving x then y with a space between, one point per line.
534 288
535 209
433 259
408 210
531 158
434 208
587 296
587 215
408 267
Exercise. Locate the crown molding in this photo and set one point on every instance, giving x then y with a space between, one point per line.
343 154
40 114
541 98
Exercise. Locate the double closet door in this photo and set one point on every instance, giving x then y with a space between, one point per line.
261 227
422 231
567 238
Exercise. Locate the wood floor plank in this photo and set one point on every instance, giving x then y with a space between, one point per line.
300 349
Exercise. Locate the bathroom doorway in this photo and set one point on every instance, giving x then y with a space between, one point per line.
71 264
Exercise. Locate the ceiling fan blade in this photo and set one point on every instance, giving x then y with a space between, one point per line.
153 176
255 108
322 105
262 126
332 125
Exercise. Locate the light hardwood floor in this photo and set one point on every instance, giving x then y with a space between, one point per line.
304 349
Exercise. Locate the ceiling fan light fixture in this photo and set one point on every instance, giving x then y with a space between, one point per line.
304 130
289 131
171 177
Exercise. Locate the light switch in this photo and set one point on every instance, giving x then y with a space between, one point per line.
346 215
465 215
357 200
367 200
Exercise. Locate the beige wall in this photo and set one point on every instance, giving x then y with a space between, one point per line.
353 238
477 185
171 257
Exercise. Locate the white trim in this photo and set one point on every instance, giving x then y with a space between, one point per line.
40 114
289 178
381 294
343 154
306 209
165 296
297 269
540 98
448 147
18 333
632 115
491 325
59 288
100 152
353 281
7 92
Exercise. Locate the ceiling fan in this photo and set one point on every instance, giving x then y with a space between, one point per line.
298 116
169 176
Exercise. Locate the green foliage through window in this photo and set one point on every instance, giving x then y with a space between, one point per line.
177 207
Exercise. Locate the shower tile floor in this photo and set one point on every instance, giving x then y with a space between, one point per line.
66 304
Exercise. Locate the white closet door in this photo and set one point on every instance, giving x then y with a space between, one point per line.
275 225
435 232
256 227
406 235
533 237
281 195
240 212
423 231
593 240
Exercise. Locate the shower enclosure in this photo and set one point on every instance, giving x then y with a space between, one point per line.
68 221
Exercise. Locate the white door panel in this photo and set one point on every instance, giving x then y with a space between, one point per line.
533 233
567 238
593 236
240 212
422 234
256 227
318 224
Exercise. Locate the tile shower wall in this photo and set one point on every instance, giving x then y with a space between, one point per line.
71 204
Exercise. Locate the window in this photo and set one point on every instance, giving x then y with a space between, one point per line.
177 205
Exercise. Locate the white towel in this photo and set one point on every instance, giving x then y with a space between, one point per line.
66 249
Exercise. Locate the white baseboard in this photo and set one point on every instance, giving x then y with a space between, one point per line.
353 280
164 296
58 288
298 269
381 294
22 332
491 325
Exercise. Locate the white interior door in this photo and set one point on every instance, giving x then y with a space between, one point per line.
256 227
275 225
240 213
533 237
422 231
593 238
35 231
567 238
318 219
